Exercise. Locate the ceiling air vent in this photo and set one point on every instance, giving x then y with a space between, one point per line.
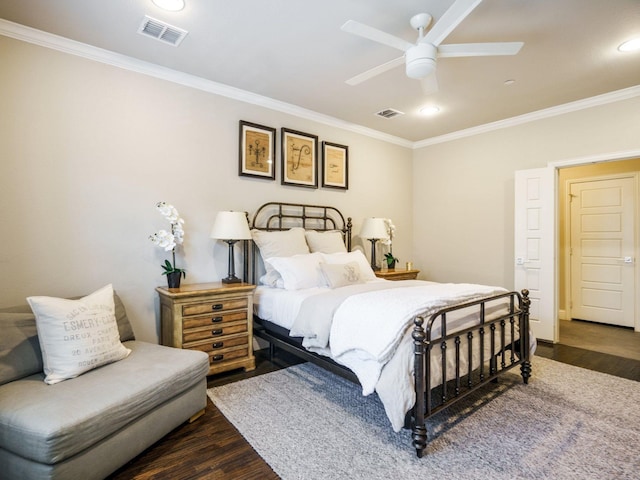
162 31
389 113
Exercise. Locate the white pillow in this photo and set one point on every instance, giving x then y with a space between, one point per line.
271 279
77 335
341 274
280 244
355 256
325 242
299 271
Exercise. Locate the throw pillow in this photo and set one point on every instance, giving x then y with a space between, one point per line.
341 274
77 335
355 256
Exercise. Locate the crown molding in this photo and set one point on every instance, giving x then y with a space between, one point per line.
62 44
616 96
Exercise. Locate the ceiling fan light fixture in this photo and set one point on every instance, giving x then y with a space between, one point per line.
420 60
170 5
630 45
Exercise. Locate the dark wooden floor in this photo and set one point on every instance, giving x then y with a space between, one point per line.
211 448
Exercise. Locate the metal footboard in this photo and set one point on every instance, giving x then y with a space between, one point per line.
502 341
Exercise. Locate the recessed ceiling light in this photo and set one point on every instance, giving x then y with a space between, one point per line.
509 82
430 110
630 45
171 5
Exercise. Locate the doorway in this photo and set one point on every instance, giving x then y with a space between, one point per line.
602 228
594 336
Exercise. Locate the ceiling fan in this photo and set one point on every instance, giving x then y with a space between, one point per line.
420 57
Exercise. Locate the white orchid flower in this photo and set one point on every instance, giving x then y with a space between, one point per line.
163 239
391 229
169 239
169 212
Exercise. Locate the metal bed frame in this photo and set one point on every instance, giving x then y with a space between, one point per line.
490 333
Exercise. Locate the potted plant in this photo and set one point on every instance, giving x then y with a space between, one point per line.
391 260
168 241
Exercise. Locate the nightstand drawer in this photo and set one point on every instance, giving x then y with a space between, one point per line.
214 306
216 358
214 319
218 344
213 332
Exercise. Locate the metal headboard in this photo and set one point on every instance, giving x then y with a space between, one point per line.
278 216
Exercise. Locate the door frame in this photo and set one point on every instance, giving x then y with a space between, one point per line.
600 158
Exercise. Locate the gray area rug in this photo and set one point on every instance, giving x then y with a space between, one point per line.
568 423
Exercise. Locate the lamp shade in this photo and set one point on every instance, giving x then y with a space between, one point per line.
373 228
231 226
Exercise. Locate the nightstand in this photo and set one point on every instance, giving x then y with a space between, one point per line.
215 318
397 274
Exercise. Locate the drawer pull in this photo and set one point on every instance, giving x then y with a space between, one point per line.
217 331
217 358
217 306
216 319
217 345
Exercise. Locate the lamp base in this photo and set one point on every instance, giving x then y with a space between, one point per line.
233 279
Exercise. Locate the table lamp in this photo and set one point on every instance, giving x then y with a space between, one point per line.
231 227
373 229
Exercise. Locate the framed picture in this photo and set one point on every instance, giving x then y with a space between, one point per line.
299 159
335 165
257 151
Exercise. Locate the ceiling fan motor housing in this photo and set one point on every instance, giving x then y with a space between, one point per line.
421 60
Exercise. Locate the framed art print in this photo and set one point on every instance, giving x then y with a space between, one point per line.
257 151
335 165
299 159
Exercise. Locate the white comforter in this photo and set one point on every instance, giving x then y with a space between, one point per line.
370 333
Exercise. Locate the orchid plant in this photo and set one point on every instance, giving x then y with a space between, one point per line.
391 230
168 240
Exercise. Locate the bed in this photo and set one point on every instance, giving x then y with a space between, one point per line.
421 346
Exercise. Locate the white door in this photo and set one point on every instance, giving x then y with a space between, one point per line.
602 251
534 246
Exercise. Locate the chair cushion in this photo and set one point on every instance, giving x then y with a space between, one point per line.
49 423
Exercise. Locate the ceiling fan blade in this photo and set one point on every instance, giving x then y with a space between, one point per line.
362 30
479 49
450 20
376 71
429 84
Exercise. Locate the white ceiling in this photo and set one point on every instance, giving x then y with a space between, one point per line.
293 51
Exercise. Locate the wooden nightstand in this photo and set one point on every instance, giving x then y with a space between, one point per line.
215 318
397 274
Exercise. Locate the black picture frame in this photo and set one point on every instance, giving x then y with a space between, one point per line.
335 166
257 151
299 158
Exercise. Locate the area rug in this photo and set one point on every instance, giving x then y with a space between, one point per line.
568 423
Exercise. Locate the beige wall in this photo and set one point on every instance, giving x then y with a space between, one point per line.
464 189
87 150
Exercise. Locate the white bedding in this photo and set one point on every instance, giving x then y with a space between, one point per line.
370 332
